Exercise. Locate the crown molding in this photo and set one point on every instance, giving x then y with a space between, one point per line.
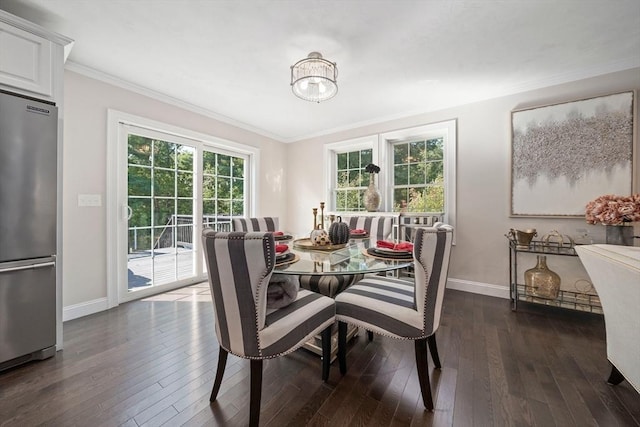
577 74
570 76
36 29
115 81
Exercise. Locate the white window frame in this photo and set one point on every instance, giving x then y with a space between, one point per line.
116 207
447 130
330 160
381 145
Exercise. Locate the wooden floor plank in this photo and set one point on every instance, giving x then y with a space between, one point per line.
307 413
387 409
463 405
152 362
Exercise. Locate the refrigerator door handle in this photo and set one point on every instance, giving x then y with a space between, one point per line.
27 267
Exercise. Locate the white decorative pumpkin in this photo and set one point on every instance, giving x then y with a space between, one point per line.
321 239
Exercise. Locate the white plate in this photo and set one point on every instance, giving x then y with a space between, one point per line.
393 251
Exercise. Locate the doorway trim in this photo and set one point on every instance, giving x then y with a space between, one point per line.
116 183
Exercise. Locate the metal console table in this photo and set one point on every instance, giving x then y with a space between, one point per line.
578 301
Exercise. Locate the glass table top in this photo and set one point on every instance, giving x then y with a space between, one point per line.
348 260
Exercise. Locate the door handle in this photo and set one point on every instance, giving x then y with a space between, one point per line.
127 212
28 267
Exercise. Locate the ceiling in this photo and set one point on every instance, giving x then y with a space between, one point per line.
231 59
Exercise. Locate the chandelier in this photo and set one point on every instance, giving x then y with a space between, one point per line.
314 78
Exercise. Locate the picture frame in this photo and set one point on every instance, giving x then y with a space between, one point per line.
564 155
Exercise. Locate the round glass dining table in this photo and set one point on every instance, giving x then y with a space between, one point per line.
350 259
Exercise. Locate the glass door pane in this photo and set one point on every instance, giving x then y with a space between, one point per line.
161 199
223 189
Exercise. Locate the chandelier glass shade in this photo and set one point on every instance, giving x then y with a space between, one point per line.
314 78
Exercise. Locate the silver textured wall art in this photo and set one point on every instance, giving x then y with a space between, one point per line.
564 155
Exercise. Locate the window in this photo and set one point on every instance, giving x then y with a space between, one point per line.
348 180
351 179
423 161
417 175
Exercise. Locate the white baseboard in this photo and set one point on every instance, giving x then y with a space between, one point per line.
479 288
101 304
84 309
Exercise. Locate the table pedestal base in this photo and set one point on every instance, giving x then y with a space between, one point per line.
315 344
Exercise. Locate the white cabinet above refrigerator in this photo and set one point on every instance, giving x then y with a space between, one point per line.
32 59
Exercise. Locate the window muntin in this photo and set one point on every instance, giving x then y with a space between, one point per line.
160 188
161 194
350 179
418 175
223 187
187 264
431 186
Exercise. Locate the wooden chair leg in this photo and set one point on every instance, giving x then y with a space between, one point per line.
342 347
222 363
433 348
615 377
423 373
326 353
256 392
370 335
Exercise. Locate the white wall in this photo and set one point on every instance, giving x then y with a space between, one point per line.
480 258
84 172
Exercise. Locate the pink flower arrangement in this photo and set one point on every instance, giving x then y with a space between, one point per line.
613 210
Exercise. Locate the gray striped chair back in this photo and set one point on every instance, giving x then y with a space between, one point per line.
432 250
267 223
239 267
378 227
397 307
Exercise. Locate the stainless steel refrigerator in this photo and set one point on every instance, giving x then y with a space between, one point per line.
28 194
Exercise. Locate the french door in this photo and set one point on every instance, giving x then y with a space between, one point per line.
170 188
161 174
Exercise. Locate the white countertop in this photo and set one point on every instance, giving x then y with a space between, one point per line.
627 255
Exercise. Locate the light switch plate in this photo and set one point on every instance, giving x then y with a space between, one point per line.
85 200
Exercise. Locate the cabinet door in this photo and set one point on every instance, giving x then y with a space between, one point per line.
25 60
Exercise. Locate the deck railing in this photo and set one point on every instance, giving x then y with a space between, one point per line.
177 232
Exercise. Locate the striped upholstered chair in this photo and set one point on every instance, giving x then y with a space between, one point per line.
267 223
239 267
401 309
378 227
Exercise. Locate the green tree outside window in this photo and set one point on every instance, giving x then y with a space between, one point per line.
418 175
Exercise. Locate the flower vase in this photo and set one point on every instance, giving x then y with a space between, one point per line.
619 235
540 281
372 195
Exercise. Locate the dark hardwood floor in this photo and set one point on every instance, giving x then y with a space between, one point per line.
152 362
